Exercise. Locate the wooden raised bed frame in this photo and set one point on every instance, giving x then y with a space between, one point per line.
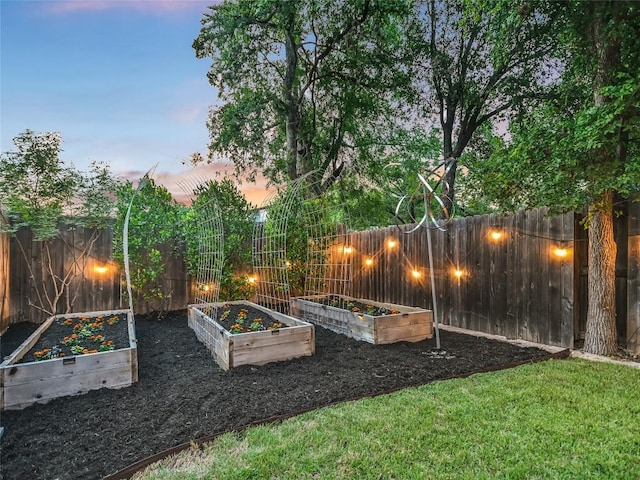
297 339
411 324
23 384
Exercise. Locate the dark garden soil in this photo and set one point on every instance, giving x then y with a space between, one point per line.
183 395
86 334
243 318
353 305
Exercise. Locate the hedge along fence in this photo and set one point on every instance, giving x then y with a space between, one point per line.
96 284
514 285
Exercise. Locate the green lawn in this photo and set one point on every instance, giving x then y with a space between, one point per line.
563 419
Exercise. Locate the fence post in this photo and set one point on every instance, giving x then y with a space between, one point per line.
633 278
4 281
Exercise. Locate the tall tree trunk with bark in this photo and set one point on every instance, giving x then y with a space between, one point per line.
600 337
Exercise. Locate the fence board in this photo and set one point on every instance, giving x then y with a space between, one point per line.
4 281
510 319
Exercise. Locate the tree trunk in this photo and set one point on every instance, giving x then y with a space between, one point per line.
601 336
448 187
291 104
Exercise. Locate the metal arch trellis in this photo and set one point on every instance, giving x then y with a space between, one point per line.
436 215
299 248
210 243
125 236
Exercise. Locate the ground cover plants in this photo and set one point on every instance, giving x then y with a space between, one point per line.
243 318
555 419
182 395
80 335
353 305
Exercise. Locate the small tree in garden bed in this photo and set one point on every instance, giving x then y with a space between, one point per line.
152 229
40 192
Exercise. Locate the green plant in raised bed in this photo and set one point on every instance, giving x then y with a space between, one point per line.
240 323
256 325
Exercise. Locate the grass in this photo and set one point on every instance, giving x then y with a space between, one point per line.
562 419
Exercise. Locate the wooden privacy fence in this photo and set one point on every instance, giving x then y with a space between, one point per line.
503 275
522 275
95 282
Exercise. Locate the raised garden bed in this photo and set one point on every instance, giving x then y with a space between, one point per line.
51 364
365 320
291 338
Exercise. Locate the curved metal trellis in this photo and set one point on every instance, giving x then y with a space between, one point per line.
210 243
125 235
298 246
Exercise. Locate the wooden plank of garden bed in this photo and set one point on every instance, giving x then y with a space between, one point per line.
28 344
404 328
28 383
211 334
259 348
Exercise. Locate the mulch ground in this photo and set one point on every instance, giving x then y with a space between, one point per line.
183 395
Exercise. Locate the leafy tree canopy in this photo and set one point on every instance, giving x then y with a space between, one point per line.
38 190
553 157
304 86
480 62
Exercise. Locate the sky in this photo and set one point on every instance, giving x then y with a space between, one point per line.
118 79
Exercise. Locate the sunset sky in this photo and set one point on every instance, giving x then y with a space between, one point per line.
117 78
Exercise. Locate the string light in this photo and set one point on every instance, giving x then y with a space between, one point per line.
560 252
252 279
495 235
458 273
100 269
368 262
415 273
391 243
347 250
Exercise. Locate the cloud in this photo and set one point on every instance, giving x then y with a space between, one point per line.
152 6
180 184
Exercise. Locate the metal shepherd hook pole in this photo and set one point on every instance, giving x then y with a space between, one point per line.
432 220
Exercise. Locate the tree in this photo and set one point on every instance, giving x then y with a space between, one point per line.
581 149
303 86
237 221
40 192
477 62
153 236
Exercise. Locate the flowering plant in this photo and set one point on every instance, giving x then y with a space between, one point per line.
238 319
81 336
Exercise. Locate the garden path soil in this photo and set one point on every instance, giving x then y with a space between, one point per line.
183 395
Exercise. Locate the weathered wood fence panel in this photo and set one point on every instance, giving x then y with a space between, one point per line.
79 257
4 281
496 274
94 281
